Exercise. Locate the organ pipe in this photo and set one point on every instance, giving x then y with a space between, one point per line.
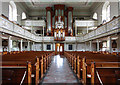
49 19
70 20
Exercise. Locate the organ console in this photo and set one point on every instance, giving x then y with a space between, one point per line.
59 22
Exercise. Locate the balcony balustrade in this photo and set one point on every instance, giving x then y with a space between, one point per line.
108 28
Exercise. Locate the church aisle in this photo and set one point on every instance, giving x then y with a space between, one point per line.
59 72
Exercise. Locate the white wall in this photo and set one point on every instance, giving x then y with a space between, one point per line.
113 9
25 44
98 10
5 8
19 12
94 47
1 43
119 7
118 43
38 47
0 7
67 45
81 47
45 46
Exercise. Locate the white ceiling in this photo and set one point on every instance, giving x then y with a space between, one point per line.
43 5
37 7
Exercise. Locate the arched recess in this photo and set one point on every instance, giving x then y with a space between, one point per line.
106 12
12 11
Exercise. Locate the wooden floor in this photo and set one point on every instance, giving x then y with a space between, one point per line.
60 72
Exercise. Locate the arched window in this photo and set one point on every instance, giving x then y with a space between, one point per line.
12 11
95 16
24 15
106 12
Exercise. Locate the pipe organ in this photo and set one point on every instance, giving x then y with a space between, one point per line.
49 20
70 21
59 22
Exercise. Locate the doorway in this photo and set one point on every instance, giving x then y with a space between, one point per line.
59 48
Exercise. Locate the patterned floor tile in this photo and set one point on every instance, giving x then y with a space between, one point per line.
59 72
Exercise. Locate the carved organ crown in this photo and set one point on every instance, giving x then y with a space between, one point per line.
59 22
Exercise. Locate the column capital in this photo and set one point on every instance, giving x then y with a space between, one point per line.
90 41
98 40
21 40
28 41
21 44
109 37
10 37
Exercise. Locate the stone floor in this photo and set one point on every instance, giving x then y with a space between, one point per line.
59 72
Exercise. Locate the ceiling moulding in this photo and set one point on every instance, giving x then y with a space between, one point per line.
58 1
43 4
23 7
95 6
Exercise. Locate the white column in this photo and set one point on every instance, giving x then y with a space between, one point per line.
76 45
43 31
1 43
65 46
85 47
21 45
1 56
0 7
109 44
9 44
53 46
28 47
98 45
118 43
43 46
75 30
43 40
31 29
33 46
87 29
90 45
119 9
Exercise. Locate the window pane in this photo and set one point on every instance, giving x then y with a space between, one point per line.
70 47
10 12
48 47
61 49
23 15
95 16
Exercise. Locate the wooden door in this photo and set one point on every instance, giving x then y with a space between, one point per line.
59 48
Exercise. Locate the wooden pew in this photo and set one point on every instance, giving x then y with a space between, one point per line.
35 69
40 63
16 74
4 53
105 73
0 53
87 70
83 67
